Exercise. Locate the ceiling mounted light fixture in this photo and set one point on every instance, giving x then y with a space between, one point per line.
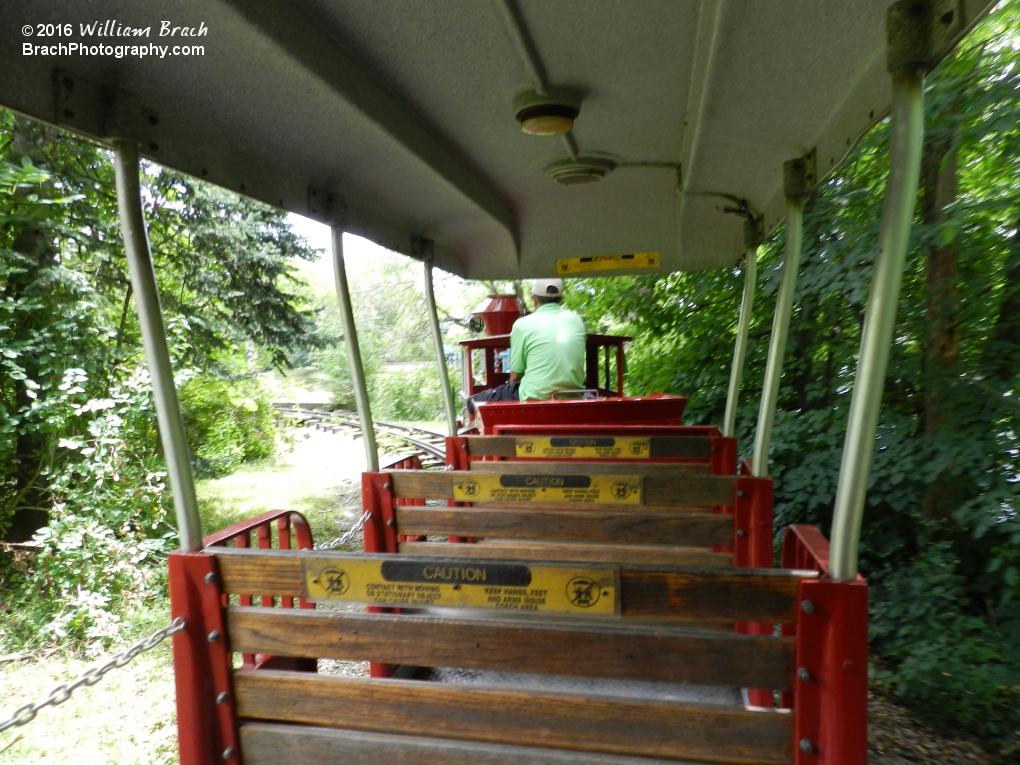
549 113
573 172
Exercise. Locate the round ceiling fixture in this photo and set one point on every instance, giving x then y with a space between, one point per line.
549 113
574 172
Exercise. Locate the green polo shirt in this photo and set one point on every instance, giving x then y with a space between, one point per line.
548 347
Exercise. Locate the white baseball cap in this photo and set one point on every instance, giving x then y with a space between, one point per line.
547 288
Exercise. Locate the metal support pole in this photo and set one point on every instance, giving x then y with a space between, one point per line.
740 347
343 295
780 329
437 339
150 319
907 128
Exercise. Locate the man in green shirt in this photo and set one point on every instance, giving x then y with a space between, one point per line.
547 350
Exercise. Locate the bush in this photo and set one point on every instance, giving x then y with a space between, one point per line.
108 527
408 393
955 667
228 422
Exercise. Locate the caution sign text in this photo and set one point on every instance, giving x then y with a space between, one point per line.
608 263
597 447
463 583
593 489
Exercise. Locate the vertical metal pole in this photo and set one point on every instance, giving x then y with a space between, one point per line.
150 319
437 339
343 295
907 127
780 329
740 347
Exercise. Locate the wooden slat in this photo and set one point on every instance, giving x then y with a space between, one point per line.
659 592
611 651
275 744
535 467
566 551
662 447
687 529
701 490
705 732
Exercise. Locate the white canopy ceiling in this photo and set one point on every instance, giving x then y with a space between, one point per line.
400 112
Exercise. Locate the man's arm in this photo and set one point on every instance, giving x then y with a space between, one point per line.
518 355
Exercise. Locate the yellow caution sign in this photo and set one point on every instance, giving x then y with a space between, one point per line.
595 489
608 263
596 447
465 583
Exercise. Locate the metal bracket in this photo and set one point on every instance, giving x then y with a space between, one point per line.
423 249
920 32
326 207
754 232
106 114
799 175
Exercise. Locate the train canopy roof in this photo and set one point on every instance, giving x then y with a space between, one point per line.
397 118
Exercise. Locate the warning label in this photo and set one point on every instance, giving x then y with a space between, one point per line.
596 489
598 447
463 583
608 263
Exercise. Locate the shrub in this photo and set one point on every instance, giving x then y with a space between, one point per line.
408 393
108 526
958 669
228 422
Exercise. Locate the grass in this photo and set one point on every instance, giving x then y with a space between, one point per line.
319 476
128 718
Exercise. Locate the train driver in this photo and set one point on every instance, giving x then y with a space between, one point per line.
547 350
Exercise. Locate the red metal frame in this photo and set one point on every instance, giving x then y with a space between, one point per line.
830 696
379 536
206 730
657 409
287 521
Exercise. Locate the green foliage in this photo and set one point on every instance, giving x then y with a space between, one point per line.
960 668
396 344
409 393
80 461
228 422
108 522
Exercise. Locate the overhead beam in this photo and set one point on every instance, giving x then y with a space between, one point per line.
305 41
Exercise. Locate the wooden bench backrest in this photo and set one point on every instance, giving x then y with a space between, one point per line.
681 519
493 720
698 450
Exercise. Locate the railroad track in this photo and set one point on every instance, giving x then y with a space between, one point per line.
429 445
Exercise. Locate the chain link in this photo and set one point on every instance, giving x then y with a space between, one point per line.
91 676
347 535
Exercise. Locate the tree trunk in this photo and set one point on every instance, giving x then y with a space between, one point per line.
942 345
1002 351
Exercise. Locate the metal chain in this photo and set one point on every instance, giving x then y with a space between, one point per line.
347 534
91 676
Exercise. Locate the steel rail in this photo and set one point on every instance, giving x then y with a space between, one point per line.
740 344
150 320
343 294
907 128
780 330
428 441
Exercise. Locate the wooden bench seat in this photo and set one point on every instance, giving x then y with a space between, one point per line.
608 647
267 715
